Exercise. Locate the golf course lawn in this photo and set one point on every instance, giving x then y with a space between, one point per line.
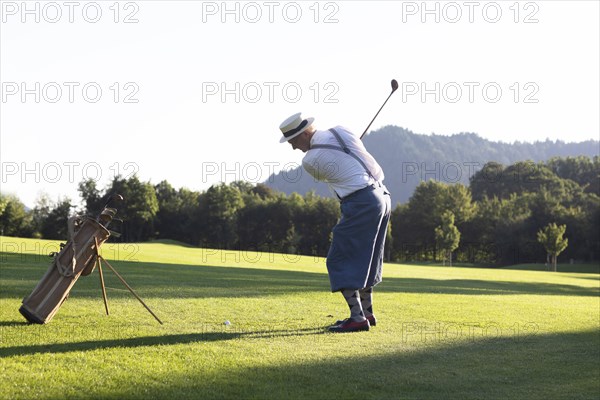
443 332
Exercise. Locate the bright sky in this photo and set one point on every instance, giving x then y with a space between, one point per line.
193 92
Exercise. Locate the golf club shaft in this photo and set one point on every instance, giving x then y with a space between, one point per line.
386 100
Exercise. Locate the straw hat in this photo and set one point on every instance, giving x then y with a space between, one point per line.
293 126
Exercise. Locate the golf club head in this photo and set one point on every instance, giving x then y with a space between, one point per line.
107 215
113 198
116 197
394 85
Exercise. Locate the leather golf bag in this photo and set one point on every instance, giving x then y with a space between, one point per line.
77 257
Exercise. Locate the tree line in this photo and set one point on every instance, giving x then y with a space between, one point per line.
502 211
506 215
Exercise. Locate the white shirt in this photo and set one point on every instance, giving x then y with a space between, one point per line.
342 172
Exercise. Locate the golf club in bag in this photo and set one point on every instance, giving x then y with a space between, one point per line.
79 256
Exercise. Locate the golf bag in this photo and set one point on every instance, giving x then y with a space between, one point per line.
77 257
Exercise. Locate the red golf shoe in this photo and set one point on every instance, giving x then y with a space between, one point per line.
350 326
372 321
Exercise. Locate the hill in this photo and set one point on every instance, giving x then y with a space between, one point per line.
408 158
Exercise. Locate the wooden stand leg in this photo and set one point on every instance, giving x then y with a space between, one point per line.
130 289
101 277
103 287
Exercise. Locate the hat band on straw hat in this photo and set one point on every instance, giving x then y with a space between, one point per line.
296 129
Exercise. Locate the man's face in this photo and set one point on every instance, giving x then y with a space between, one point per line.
301 142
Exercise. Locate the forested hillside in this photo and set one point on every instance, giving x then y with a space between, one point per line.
408 158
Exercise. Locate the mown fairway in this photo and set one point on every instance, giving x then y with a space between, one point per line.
443 332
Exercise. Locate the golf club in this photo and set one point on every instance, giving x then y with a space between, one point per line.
107 214
394 87
114 197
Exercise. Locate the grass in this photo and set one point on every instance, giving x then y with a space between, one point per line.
456 333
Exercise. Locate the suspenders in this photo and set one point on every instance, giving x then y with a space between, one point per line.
344 148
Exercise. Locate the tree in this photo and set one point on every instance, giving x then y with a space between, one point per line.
580 169
314 217
488 181
414 226
138 210
15 220
263 191
401 246
40 212
447 236
521 177
166 222
218 208
3 204
54 225
91 197
551 237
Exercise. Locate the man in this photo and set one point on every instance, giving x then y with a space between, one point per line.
355 258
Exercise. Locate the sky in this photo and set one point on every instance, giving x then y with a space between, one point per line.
193 92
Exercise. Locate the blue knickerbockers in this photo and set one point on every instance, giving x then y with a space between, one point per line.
355 258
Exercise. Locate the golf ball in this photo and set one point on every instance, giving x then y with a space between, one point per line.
227 323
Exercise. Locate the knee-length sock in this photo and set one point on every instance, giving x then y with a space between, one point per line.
366 300
353 299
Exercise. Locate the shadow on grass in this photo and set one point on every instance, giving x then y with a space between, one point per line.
480 287
585 268
13 323
546 366
557 366
20 273
591 278
208 336
589 268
